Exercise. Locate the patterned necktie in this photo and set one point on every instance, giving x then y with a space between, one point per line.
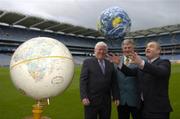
101 63
127 61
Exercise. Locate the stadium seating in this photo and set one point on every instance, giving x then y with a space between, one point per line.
177 38
81 47
140 42
5 59
171 56
21 34
165 39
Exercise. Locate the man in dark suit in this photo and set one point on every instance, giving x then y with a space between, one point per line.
97 84
153 76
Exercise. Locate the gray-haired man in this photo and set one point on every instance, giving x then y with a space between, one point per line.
97 84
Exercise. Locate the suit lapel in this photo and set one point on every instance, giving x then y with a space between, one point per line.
106 65
122 59
156 61
98 66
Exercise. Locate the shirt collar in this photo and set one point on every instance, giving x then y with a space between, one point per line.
152 60
101 60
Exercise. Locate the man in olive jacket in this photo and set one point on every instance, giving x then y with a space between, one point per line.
128 85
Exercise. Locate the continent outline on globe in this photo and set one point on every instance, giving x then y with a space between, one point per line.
114 23
38 74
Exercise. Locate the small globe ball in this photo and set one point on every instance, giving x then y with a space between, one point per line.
114 23
41 68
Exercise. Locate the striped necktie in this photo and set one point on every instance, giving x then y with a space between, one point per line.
101 63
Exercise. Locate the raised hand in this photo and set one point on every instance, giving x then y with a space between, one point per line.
114 58
136 59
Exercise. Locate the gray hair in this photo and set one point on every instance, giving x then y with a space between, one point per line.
101 43
128 41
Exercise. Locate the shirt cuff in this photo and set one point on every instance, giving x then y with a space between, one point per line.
141 65
120 65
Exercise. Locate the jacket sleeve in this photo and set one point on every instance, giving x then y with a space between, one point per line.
114 85
128 71
84 80
161 69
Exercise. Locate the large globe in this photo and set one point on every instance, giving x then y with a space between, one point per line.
114 23
41 68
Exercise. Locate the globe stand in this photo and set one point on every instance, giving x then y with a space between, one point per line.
38 109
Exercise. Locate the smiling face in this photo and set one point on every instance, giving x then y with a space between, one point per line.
100 50
127 48
152 50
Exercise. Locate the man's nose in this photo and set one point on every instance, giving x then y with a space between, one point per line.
102 51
